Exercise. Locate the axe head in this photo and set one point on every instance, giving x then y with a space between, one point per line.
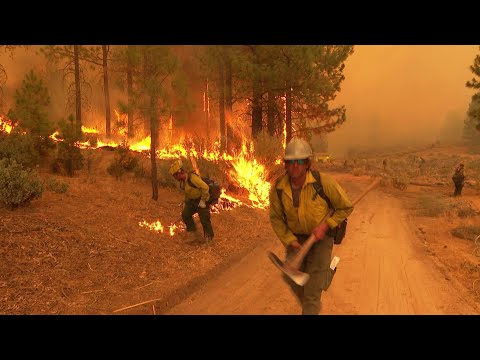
300 278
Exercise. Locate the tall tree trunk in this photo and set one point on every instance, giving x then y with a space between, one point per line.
256 108
228 99
288 115
206 108
271 113
147 126
78 95
151 120
279 122
221 109
153 145
106 92
130 91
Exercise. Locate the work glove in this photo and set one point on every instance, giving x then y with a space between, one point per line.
320 231
202 204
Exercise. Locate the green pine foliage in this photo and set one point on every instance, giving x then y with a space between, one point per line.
18 186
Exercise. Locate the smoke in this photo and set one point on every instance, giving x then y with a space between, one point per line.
402 95
16 66
25 59
393 94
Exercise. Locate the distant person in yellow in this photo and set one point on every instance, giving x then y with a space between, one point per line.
458 179
196 198
296 210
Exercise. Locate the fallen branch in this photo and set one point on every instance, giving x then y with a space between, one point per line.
153 282
143 286
132 306
424 184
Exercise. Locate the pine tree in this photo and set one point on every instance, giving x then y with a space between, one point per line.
31 109
474 113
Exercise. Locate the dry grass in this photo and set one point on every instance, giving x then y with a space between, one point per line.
83 251
430 206
469 232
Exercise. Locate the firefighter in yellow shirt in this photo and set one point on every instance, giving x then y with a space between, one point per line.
298 213
196 198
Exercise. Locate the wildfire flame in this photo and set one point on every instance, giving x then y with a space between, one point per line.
251 176
142 145
86 130
121 128
157 227
225 202
245 170
5 125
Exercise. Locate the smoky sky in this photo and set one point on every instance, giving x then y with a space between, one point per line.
402 94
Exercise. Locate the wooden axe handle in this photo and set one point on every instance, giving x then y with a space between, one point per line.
296 261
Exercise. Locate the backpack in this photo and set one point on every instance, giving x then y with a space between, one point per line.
458 177
213 188
338 233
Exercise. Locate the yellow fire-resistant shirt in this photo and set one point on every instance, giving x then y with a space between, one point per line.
307 216
201 189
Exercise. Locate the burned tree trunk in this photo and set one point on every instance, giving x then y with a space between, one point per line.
106 92
221 103
153 145
288 115
228 100
271 113
206 108
78 95
256 108
130 93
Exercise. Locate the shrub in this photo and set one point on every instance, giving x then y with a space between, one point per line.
430 206
69 158
57 186
116 169
469 232
19 147
17 186
123 161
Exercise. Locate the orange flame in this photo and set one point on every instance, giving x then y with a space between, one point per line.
246 173
251 176
87 130
5 125
157 227
142 145
54 136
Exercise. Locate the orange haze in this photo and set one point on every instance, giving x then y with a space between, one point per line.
403 93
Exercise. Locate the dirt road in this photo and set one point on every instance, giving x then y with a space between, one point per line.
383 270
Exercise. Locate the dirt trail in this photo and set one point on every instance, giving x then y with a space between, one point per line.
383 270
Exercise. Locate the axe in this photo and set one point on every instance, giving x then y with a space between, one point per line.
291 266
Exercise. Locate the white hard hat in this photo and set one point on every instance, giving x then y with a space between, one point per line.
298 149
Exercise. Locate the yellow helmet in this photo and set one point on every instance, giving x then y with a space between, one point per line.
175 167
